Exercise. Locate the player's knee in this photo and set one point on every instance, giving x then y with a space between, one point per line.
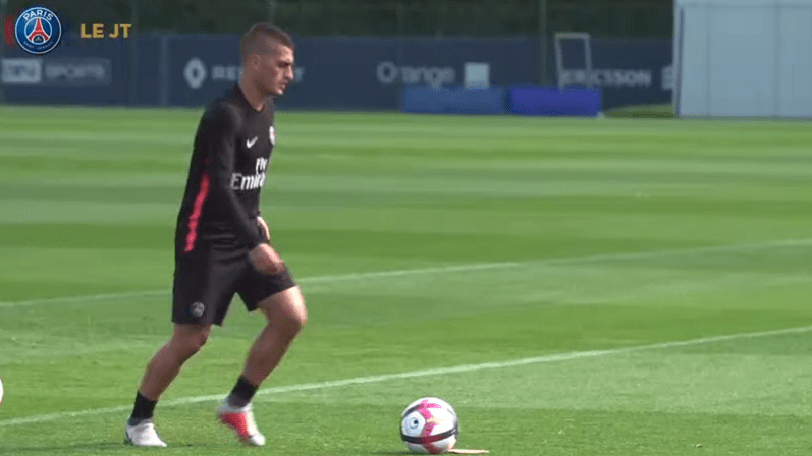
198 341
187 344
299 321
296 318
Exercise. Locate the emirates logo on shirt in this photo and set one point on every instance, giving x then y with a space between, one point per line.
250 181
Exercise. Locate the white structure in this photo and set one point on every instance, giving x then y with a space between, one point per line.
582 76
477 75
743 58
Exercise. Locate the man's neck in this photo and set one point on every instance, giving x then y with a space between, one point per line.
252 94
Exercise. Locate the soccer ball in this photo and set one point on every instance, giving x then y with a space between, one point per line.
429 425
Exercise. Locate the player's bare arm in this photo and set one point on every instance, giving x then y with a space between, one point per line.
264 257
266 260
264 227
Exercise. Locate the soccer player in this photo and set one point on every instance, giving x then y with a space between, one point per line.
222 244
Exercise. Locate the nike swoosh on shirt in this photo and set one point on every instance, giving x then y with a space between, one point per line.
251 142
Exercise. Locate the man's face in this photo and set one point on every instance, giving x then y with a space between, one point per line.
274 70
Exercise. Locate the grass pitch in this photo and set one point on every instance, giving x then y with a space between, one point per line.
562 283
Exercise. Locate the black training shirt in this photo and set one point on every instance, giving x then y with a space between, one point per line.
231 152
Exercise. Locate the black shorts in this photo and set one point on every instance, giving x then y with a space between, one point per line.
207 278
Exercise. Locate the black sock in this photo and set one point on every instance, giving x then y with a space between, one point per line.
242 394
142 410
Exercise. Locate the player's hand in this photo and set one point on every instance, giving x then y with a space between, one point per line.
264 228
266 260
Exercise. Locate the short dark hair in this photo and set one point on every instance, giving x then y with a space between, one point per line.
251 42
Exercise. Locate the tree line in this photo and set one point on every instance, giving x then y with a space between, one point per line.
440 18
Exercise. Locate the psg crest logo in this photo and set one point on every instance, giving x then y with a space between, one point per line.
38 30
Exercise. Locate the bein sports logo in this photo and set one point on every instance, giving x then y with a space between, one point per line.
38 30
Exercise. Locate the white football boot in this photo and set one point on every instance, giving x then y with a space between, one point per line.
241 421
142 434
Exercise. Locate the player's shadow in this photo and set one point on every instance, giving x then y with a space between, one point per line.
94 446
56 448
389 453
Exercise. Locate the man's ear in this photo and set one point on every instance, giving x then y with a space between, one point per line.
251 60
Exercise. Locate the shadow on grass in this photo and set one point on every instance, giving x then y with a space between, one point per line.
99 446
664 111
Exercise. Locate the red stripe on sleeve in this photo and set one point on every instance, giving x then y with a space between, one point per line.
194 219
